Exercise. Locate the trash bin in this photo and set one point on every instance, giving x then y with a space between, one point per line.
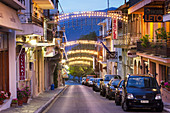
52 86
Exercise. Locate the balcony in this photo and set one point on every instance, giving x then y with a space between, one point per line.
45 4
16 4
125 41
159 48
30 18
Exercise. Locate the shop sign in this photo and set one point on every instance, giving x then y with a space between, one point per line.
114 28
153 14
22 65
112 55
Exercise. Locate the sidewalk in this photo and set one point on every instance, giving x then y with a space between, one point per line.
36 104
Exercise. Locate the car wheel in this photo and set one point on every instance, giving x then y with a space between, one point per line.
160 108
101 92
124 106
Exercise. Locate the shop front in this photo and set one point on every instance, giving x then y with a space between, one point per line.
9 23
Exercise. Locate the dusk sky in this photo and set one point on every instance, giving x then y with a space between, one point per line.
88 5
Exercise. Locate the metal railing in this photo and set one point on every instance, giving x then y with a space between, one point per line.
160 47
127 39
30 18
22 2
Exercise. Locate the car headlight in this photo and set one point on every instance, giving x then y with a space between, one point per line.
158 97
130 96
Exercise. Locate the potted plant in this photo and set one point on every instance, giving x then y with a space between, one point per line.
145 40
3 96
20 96
161 33
14 102
27 92
167 86
162 84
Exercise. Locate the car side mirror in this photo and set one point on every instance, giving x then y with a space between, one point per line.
123 85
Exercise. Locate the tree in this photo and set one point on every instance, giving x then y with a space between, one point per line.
81 71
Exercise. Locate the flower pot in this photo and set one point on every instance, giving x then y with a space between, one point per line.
25 99
20 102
1 102
167 88
163 86
14 104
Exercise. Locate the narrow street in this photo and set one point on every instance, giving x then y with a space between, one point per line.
82 99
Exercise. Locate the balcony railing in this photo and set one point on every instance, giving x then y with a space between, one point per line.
159 48
22 2
30 18
127 39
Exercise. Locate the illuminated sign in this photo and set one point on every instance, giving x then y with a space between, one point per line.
153 14
22 65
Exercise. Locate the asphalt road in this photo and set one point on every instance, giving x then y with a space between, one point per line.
82 99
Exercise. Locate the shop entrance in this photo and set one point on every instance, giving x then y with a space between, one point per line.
4 63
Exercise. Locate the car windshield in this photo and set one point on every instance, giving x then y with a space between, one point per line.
89 77
142 82
109 77
115 82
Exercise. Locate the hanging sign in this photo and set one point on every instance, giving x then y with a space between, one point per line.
22 65
153 14
112 55
114 28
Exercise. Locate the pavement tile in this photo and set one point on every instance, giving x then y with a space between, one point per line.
35 103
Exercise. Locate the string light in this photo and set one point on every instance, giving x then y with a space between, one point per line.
79 62
80 58
82 51
81 42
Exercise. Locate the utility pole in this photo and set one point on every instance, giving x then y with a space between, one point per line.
108 4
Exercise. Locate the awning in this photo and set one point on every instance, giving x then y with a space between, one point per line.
31 29
166 18
9 18
45 4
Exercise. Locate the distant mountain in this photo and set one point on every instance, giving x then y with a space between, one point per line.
82 26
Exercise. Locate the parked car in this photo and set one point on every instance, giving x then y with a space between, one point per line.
105 81
96 85
111 88
141 91
118 93
83 80
90 82
88 77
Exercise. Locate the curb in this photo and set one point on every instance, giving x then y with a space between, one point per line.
43 107
166 109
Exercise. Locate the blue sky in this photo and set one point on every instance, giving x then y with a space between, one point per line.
87 5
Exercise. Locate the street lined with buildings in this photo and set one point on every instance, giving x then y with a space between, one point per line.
36 56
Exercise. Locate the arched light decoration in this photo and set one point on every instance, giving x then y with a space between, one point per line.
80 58
81 42
82 51
92 14
79 62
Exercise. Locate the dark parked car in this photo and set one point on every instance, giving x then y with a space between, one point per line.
96 85
105 81
118 93
141 91
111 88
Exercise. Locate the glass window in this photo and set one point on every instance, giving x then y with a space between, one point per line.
115 82
142 82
